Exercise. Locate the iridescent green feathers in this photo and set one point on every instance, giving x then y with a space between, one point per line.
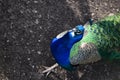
104 35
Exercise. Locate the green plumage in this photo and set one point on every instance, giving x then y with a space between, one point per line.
104 35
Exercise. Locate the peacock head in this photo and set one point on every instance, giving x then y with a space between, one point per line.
62 44
76 33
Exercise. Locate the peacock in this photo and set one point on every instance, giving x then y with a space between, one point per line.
88 44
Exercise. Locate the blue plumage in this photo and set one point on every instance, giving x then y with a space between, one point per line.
61 46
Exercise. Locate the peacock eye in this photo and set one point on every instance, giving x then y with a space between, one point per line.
78 32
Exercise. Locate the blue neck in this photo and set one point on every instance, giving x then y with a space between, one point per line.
61 50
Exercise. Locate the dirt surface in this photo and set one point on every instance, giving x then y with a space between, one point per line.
27 27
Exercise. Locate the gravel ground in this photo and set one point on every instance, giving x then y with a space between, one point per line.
27 27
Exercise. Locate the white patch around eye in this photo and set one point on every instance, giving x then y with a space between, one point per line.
61 35
72 34
74 29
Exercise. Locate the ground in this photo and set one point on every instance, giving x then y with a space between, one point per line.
26 30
